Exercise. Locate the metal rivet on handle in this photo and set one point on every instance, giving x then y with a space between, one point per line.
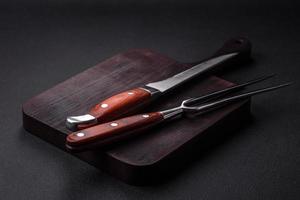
80 134
114 124
104 105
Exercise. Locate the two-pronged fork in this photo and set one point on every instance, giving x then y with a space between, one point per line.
117 130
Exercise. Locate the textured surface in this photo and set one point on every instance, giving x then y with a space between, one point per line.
45 114
44 45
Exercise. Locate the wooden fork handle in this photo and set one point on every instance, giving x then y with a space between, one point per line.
113 131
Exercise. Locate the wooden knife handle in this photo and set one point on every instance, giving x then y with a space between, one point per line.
118 105
110 132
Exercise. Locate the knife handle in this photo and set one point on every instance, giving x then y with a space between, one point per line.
118 105
111 132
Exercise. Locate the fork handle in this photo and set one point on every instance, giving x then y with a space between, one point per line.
107 133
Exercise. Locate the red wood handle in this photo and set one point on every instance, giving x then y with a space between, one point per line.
113 131
118 105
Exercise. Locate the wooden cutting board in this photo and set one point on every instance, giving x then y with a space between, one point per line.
158 152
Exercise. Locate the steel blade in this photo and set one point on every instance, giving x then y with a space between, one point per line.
188 74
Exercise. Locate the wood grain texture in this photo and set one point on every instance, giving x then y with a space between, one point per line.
120 104
104 134
146 158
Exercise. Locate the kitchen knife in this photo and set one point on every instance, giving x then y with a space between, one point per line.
233 52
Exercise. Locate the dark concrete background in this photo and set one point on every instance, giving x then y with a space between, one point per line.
44 43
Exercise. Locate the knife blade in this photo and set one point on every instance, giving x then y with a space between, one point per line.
178 79
232 52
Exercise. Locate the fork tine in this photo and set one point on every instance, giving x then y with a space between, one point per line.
225 91
223 102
